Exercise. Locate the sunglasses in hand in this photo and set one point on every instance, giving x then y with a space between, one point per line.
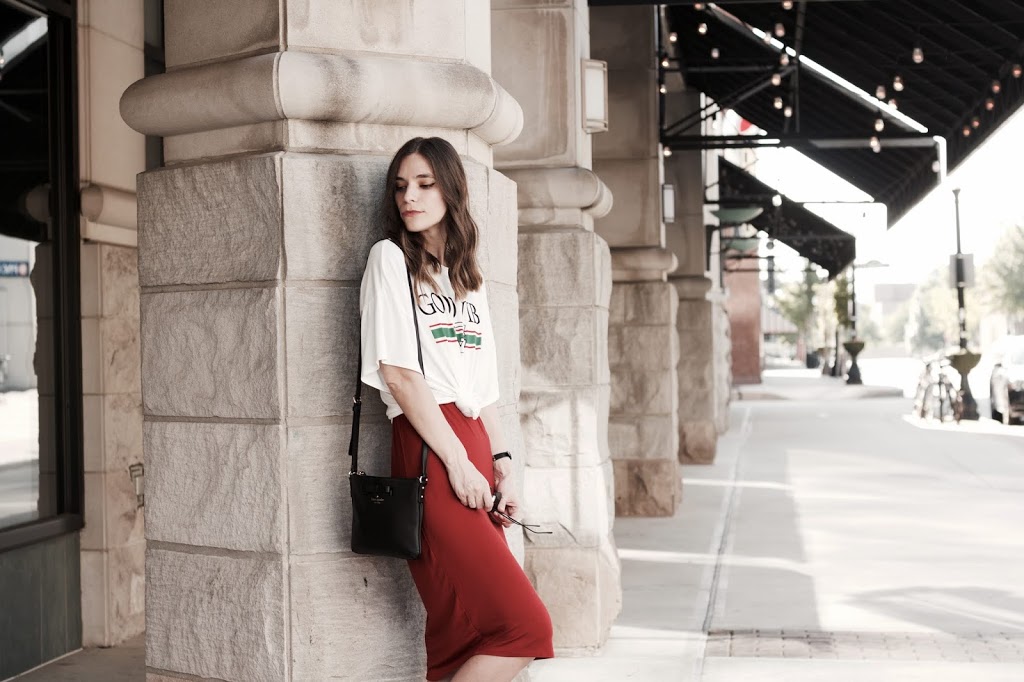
527 526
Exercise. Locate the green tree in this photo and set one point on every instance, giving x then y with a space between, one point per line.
842 300
796 301
933 314
1002 279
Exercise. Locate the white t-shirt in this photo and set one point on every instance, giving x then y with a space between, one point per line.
457 338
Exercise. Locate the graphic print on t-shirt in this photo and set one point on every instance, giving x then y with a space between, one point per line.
455 330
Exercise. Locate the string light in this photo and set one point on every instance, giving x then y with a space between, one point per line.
967 131
715 53
663 89
776 79
777 102
996 87
784 59
879 124
666 152
990 104
936 166
975 122
788 111
776 200
897 83
665 62
880 92
1016 70
893 103
787 5
702 28
780 30
699 6
673 37
917 55
3 60
876 146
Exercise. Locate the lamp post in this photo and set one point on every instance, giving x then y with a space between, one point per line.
963 361
854 346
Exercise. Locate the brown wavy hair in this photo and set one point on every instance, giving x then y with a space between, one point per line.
461 229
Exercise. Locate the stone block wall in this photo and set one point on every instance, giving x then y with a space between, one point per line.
113 540
110 58
643 352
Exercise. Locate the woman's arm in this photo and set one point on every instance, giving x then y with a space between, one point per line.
413 395
492 424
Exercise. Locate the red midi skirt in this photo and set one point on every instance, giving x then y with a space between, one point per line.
477 597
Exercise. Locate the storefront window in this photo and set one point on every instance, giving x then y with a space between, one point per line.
39 406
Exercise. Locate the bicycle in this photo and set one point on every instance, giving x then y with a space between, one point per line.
936 397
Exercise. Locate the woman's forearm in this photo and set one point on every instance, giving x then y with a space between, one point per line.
492 424
413 395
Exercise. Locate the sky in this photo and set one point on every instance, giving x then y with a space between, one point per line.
991 198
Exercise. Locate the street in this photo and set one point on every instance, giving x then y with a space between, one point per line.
838 540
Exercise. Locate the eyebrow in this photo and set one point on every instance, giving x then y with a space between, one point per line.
421 175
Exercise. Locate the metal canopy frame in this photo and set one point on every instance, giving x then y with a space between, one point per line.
967 44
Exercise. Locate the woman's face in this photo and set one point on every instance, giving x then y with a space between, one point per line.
417 195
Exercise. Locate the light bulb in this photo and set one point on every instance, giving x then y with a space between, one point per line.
776 79
893 103
702 28
880 92
784 59
876 146
967 131
666 152
918 54
1016 70
996 87
767 38
699 6
879 124
780 30
777 200
975 122
663 89
673 37
897 83
715 53
777 103
787 5
990 104
665 62
788 111
936 166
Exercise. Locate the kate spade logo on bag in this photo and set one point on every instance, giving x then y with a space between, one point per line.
376 499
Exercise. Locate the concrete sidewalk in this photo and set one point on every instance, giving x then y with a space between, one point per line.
810 384
831 540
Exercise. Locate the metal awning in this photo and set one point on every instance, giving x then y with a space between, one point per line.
967 49
807 233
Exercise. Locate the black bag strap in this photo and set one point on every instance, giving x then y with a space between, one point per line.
353 443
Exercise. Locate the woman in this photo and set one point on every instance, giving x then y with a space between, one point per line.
484 620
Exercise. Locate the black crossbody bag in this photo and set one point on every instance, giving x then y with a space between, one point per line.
387 513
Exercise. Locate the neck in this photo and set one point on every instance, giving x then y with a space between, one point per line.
434 240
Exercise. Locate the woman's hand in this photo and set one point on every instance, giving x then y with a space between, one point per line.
509 503
469 485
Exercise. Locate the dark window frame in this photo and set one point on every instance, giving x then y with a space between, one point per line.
65 237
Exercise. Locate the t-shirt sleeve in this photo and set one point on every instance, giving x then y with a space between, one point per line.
386 325
487 379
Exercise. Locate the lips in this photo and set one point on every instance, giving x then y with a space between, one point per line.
409 214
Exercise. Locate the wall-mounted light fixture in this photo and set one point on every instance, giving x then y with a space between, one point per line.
668 203
595 95
138 472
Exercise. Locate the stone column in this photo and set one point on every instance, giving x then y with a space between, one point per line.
279 119
564 287
110 52
643 341
687 239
